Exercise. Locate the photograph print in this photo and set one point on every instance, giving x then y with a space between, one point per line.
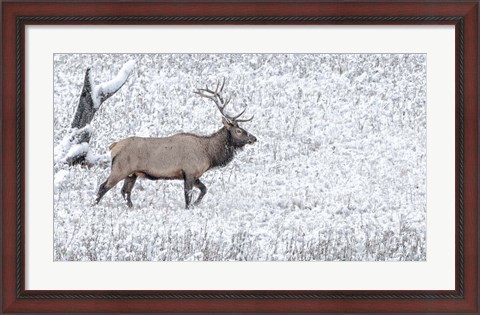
240 157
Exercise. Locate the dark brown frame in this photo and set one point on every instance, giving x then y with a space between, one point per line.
17 14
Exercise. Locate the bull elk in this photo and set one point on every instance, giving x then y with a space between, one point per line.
183 156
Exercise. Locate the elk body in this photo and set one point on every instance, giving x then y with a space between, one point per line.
182 156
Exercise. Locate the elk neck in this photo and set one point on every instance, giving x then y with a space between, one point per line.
220 148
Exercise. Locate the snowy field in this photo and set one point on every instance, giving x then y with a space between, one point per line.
338 172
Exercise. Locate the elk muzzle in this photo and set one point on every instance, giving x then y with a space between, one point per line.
251 139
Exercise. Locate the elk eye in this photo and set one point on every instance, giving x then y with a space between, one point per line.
239 131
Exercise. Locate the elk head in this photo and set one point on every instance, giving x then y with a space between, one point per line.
239 136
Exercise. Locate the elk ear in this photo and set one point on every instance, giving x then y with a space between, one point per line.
226 123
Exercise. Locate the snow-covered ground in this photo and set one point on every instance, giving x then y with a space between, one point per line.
338 172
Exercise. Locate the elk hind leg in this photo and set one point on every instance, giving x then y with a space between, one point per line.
128 184
188 186
203 191
106 186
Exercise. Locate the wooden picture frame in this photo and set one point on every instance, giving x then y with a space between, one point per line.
17 14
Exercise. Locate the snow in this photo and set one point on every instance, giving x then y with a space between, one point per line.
112 85
69 147
338 172
59 178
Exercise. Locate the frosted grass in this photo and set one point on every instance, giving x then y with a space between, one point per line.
338 172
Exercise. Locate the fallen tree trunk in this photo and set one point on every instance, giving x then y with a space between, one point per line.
74 148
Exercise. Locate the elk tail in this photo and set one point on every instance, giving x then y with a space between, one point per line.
113 154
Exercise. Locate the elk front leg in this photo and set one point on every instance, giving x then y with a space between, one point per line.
203 191
128 184
188 186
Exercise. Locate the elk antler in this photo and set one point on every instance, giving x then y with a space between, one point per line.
217 98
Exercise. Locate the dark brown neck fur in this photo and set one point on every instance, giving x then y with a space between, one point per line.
220 148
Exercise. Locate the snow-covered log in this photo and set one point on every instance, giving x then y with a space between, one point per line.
74 149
